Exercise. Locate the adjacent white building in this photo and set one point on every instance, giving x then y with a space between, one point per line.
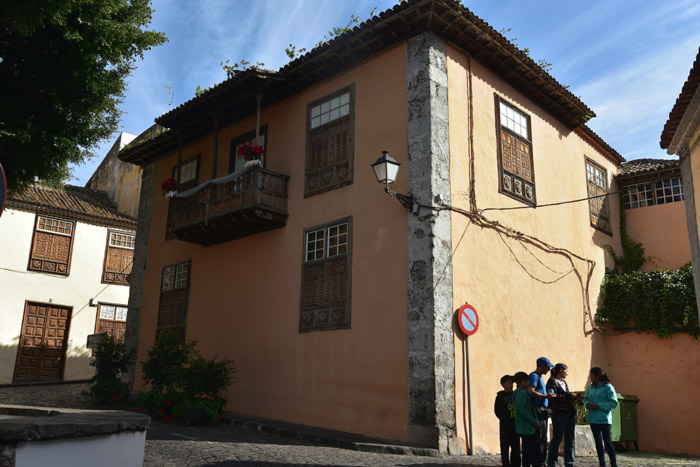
65 266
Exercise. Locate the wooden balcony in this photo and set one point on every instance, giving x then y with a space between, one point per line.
243 203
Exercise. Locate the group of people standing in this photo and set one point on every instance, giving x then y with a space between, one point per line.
524 415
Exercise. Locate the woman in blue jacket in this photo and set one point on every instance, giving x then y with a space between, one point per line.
600 400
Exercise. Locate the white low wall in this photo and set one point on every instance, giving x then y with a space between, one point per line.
124 449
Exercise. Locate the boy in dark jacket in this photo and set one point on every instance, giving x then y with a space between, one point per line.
504 408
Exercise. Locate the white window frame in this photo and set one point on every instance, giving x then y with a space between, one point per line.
51 222
330 110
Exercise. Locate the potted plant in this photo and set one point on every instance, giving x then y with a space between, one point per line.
204 381
169 187
252 154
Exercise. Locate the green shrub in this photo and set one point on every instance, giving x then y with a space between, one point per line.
167 360
179 375
204 382
112 358
661 301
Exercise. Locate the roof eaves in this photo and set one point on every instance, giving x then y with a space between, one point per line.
450 20
676 115
607 150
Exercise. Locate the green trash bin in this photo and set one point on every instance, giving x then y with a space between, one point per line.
624 420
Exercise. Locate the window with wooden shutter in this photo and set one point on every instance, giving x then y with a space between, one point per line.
118 258
597 182
330 142
174 293
111 319
515 161
52 246
326 277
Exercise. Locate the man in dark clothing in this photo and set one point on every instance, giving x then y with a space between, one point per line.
504 408
540 404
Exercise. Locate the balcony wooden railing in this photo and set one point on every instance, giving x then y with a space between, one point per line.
244 203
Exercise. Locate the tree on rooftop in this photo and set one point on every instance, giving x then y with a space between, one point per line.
63 69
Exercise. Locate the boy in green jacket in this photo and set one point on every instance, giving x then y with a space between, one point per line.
525 421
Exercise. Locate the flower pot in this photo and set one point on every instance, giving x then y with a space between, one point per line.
254 163
195 415
170 194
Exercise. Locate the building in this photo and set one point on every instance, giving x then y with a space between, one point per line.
653 199
336 303
680 136
121 181
66 264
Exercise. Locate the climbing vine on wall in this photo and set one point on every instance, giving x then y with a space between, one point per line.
661 301
632 252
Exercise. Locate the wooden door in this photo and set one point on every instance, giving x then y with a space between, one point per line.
42 345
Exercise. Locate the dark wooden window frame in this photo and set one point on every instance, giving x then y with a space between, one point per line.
191 183
237 141
126 280
501 128
350 142
33 267
606 204
186 297
312 313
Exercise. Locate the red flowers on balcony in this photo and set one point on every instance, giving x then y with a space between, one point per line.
168 186
250 151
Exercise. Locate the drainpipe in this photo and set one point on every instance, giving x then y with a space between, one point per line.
179 155
216 143
258 99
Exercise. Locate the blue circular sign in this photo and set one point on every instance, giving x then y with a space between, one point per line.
468 319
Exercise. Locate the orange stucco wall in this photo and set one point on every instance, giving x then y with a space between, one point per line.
663 231
245 294
521 318
665 375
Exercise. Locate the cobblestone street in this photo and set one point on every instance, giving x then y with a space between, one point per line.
219 445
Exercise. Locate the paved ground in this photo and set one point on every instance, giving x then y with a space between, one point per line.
220 445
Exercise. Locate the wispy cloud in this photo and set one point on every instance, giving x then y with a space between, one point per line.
627 60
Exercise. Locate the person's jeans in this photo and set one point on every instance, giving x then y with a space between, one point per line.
563 426
601 434
541 436
531 452
510 443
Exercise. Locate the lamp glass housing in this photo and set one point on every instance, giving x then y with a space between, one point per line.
386 168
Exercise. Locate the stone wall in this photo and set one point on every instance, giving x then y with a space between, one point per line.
431 353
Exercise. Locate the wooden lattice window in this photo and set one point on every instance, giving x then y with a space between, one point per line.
52 245
111 319
174 293
330 145
189 174
118 258
326 277
667 190
597 181
515 161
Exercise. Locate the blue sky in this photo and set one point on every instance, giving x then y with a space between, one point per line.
626 59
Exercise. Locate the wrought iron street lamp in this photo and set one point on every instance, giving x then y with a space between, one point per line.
386 169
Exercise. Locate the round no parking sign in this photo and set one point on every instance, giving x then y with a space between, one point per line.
468 319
